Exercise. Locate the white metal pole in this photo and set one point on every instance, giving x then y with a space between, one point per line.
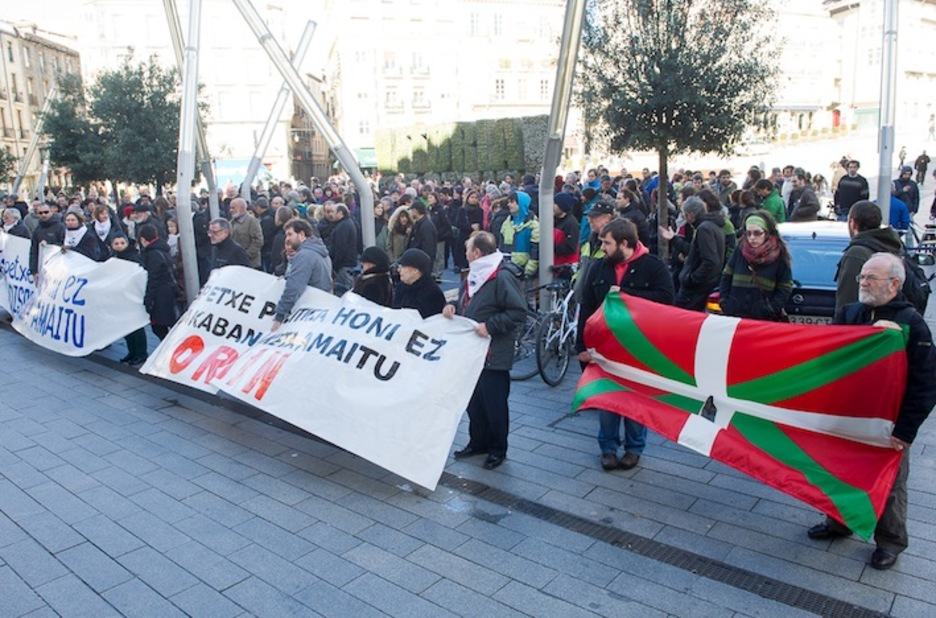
888 95
311 106
558 116
275 112
204 158
186 161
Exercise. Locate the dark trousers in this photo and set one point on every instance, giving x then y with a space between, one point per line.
890 533
488 414
136 343
160 330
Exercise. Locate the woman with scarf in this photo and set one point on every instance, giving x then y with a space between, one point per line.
401 226
757 279
80 239
520 233
105 225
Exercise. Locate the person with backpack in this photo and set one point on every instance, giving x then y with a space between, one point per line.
868 238
881 303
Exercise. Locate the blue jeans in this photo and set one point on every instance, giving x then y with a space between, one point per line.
609 433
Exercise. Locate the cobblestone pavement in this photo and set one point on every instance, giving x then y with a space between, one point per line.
122 494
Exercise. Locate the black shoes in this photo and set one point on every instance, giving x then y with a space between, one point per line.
823 531
493 461
882 559
137 361
467 452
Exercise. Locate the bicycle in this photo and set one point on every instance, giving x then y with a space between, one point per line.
524 361
555 339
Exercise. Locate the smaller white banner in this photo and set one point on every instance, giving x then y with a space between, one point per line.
79 306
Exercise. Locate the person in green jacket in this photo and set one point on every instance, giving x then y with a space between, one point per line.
772 202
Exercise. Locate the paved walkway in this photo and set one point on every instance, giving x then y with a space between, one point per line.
121 494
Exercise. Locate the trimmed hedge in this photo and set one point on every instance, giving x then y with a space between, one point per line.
457 149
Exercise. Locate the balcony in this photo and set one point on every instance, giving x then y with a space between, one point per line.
8 133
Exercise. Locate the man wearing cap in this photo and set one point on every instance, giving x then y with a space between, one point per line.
906 189
423 236
491 297
565 230
246 232
416 288
374 282
599 215
309 266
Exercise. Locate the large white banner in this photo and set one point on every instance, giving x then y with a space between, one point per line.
381 383
79 306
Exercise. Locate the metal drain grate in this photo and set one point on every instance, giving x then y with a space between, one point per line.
766 587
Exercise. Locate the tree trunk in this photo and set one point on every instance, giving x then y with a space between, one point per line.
662 209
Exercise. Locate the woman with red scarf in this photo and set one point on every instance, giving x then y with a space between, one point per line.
757 279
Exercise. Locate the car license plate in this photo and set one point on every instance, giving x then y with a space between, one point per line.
809 319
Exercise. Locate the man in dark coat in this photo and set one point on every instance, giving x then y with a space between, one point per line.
906 189
342 245
701 272
880 302
491 297
50 231
805 204
267 219
162 289
424 232
416 288
630 266
224 251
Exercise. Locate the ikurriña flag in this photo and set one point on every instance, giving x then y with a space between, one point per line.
808 410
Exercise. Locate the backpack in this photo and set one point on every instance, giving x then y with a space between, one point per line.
916 288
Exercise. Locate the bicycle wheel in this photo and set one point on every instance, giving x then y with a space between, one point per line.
552 351
524 361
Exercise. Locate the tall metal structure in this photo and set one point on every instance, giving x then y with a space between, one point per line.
204 158
34 142
558 117
281 98
186 161
311 106
888 95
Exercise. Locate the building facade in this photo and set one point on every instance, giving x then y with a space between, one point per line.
31 68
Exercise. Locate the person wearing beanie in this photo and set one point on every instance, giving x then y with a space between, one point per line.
416 288
374 282
565 230
906 189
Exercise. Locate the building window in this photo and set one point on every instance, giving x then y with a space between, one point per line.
364 127
544 89
498 24
522 89
391 100
498 89
41 61
26 57
419 99
474 25
9 50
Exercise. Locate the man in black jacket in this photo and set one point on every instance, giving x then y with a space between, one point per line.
224 251
629 266
268 226
853 187
342 245
492 298
424 232
50 231
701 272
881 303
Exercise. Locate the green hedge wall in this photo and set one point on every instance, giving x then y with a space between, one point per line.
479 148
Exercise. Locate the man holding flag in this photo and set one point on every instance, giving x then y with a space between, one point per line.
881 303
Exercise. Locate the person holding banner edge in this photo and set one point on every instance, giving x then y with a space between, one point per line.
881 303
309 266
491 297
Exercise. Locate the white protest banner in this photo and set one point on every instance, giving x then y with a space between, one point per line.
381 383
16 282
81 305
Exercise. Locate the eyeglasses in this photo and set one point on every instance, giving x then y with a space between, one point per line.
756 233
213 232
860 278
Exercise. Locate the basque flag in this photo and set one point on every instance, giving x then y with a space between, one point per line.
808 410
